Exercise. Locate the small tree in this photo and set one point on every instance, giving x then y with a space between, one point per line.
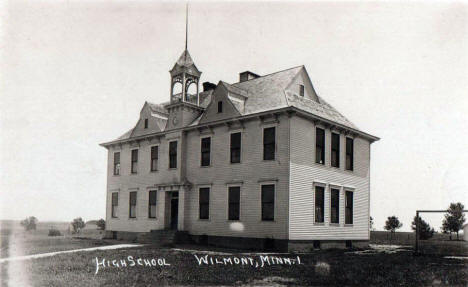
392 224
101 224
425 230
371 223
453 219
77 225
29 223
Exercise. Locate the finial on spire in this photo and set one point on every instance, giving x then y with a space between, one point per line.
186 24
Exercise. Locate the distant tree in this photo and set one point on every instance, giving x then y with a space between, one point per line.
29 223
392 224
371 223
425 230
101 224
453 219
78 224
54 232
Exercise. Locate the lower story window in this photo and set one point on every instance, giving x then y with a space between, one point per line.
234 203
133 199
349 207
319 204
115 204
335 206
268 202
152 204
204 203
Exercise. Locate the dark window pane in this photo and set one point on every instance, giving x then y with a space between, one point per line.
146 123
268 202
269 143
152 204
235 147
335 206
115 203
301 90
319 204
173 154
220 107
134 161
234 203
117 163
205 151
349 153
319 146
349 207
133 198
204 203
154 158
335 150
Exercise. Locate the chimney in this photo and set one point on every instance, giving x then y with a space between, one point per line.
247 75
207 86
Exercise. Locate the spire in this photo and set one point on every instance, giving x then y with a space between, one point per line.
186 24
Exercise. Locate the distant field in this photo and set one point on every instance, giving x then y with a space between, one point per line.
402 238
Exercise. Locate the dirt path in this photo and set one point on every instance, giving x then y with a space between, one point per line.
16 272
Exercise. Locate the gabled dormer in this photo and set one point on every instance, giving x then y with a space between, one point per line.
153 118
301 86
227 102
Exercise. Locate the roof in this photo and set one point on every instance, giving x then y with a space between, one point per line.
185 59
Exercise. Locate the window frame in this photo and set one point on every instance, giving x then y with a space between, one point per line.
274 143
231 148
209 152
229 204
130 204
350 154
176 154
338 189
349 191
115 164
220 107
274 201
323 143
301 90
209 202
133 162
146 123
335 149
152 168
155 192
323 187
114 207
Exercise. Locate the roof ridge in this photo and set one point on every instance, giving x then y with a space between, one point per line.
269 74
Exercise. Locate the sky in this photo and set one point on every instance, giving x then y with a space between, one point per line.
76 73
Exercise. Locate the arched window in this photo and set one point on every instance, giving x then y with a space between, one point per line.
191 92
177 91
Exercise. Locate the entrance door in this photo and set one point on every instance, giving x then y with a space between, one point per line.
174 209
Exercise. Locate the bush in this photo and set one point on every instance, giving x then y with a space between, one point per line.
77 225
101 224
29 223
54 232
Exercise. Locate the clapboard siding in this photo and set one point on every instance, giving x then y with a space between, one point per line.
251 169
304 172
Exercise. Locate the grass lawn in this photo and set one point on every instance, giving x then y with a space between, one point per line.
335 267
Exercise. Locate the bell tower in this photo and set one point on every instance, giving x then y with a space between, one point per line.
184 105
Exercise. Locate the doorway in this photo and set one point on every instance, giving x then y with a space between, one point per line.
174 210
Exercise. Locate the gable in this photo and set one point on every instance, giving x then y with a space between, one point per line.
302 78
229 109
156 121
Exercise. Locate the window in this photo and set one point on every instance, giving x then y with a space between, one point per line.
115 204
319 146
349 207
349 153
319 204
146 123
173 154
134 161
234 203
335 150
269 143
205 151
154 158
335 206
204 203
117 163
132 203
235 147
268 202
301 90
220 106
152 204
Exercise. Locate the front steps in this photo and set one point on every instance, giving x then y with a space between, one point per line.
163 237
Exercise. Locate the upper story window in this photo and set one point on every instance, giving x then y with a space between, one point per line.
349 153
204 203
115 204
205 151
269 143
335 150
152 204
319 204
154 158
132 204
146 123
236 147
268 202
301 90
220 106
319 146
349 207
134 161
116 163
173 154
234 203
335 205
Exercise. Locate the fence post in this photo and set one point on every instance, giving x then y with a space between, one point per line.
416 247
